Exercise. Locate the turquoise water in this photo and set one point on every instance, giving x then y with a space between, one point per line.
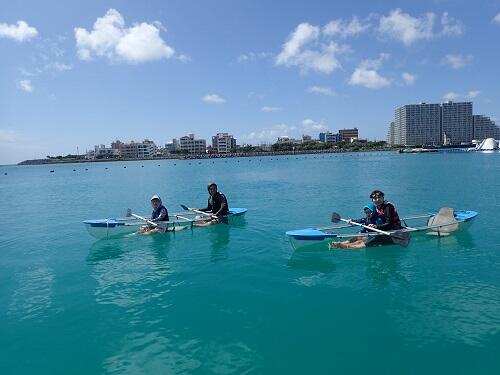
237 299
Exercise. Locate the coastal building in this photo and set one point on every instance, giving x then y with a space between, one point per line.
138 150
191 145
102 152
432 124
484 128
456 122
328 137
173 147
348 135
223 143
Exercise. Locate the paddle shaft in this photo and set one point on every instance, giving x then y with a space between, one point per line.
366 227
198 211
148 221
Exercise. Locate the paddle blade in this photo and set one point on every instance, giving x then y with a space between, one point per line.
184 207
335 217
400 238
129 212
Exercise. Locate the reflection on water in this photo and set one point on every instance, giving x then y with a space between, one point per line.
157 353
321 260
384 265
33 296
219 237
466 313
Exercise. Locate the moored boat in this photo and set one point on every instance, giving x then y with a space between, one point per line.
439 223
117 227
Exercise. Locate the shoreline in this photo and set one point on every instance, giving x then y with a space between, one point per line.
205 156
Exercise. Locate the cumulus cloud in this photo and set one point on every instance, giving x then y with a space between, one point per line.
457 61
344 28
408 29
311 126
25 85
366 74
268 134
19 32
409 78
496 19
270 109
302 49
213 98
321 90
60 67
453 96
111 38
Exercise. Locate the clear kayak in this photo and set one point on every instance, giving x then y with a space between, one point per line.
117 227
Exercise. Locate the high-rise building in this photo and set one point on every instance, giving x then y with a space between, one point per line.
484 128
193 146
347 135
431 124
456 122
223 143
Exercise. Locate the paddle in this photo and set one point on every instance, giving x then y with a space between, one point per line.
161 228
398 237
199 212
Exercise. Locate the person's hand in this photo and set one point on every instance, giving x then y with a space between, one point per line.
372 225
349 221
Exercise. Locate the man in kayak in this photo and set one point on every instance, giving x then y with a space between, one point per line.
158 215
371 218
217 205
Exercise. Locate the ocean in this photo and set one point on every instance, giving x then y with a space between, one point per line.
238 299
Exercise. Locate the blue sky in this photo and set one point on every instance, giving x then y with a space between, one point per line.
77 74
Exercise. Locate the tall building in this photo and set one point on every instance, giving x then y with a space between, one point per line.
484 128
431 124
223 143
347 135
138 150
173 146
417 124
328 137
456 122
193 146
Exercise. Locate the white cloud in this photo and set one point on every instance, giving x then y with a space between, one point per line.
270 109
268 134
184 58
253 56
457 61
60 67
343 28
311 126
406 28
303 50
496 19
321 90
366 74
20 32
110 38
25 84
409 78
213 98
472 94
451 26
451 96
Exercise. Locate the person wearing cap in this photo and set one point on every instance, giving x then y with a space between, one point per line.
159 214
217 204
371 218
385 211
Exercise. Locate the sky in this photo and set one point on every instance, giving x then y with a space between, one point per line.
78 74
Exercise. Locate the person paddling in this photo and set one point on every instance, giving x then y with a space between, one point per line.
387 212
371 218
217 205
158 215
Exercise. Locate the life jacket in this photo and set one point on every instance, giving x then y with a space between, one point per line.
394 221
156 214
215 202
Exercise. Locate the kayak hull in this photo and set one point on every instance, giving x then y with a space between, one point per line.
119 227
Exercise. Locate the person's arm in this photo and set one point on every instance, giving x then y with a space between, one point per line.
223 204
208 208
161 215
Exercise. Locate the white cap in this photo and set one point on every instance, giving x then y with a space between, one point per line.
155 197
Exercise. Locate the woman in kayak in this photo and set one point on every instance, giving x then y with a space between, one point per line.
371 218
